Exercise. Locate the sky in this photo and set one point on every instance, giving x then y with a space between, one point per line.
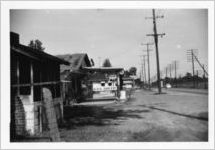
117 34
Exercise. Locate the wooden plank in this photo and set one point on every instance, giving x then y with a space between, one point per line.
65 81
32 79
51 116
35 84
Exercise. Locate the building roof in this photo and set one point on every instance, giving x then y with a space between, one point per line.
103 69
128 78
33 53
97 77
76 61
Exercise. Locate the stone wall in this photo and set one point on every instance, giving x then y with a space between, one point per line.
19 117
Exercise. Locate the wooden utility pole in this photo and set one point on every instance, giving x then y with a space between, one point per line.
155 35
190 53
142 78
170 71
204 78
148 50
175 64
144 67
197 78
202 66
175 69
193 68
166 71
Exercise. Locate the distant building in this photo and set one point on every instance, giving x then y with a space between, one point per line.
73 76
31 70
103 83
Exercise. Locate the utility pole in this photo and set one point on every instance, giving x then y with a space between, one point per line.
175 69
175 63
166 75
142 71
170 71
148 50
197 78
193 69
166 71
144 67
204 78
190 53
155 35
200 64
170 74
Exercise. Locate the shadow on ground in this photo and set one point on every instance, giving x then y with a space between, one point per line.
165 134
200 116
77 116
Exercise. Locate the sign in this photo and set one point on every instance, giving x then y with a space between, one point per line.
111 88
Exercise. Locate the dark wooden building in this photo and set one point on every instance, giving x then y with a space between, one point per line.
32 70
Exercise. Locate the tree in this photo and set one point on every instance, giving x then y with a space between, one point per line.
132 70
106 63
187 77
126 73
36 44
31 44
188 74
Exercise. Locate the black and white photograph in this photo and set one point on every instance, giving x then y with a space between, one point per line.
109 74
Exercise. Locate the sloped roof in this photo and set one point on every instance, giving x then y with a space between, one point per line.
36 54
31 52
75 60
103 69
97 77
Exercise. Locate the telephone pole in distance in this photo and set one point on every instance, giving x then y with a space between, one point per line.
148 50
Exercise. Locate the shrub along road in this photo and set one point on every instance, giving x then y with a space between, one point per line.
175 116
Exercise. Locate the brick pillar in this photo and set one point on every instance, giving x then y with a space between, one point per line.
19 117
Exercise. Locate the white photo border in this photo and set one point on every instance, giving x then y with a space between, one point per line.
5 71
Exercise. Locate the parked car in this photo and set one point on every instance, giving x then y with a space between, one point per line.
168 86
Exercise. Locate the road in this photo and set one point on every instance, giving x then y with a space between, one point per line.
195 91
174 116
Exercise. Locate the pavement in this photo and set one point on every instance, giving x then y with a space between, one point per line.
174 116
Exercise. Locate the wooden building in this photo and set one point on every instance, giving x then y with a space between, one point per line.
32 70
73 76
